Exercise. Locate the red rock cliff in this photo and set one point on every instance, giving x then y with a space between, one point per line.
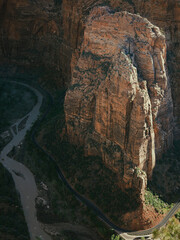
162 13
119 104
49 33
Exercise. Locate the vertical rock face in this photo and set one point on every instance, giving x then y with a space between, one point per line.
174 66
166 15
74 15
119 104
162 13
48 34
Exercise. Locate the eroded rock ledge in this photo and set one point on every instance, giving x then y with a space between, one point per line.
119 103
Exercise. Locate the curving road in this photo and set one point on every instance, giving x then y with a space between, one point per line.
123 233
23 178
26 185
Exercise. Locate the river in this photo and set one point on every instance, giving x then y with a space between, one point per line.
23 177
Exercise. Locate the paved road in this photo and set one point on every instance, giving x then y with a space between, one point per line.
126 235
23 178
26 184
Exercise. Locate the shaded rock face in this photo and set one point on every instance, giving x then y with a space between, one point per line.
74 16
30 34
48 34
119 103
43 34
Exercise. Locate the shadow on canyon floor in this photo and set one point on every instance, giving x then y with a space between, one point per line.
88 175
166 178
61 205
164 182
12 221
15 102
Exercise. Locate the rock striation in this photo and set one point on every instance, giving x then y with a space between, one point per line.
48 34
162 13
119 104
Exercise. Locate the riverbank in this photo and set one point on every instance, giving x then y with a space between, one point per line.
23 178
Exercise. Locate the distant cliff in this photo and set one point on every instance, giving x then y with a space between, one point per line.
31 36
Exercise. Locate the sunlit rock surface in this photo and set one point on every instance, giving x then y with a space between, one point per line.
119 103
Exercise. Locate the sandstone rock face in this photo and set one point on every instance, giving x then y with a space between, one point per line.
49 33
74 15
166 15
162 13
119 103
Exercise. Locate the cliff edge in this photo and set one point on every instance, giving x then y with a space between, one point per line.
119 104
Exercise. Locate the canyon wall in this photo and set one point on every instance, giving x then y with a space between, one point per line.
31 36
119 104
163 13
121 70
48 34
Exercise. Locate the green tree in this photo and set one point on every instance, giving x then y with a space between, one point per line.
115 237
177 215
169 232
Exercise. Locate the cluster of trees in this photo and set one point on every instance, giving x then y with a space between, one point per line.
115 237
170 232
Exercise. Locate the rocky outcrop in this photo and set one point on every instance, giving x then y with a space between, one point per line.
166 15
43 34
163 13
48 34
74 16
119 103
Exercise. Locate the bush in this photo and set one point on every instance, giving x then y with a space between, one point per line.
154 200
171 231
